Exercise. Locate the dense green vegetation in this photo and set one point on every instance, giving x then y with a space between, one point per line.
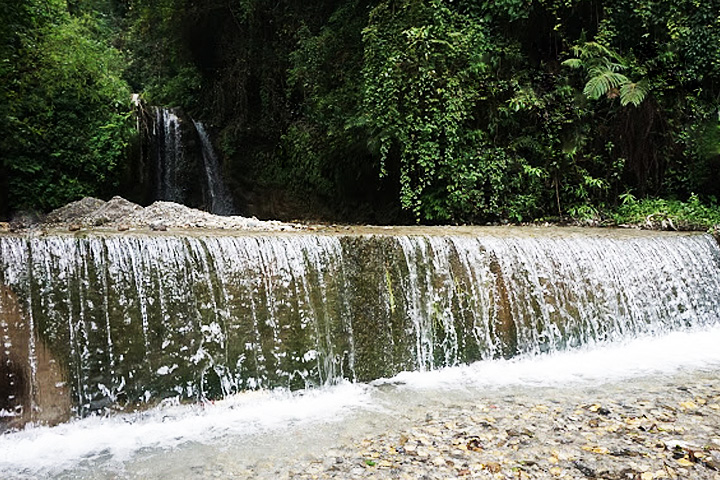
65 113
380 110
658 213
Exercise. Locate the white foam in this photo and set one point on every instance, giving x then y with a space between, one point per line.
669 353
41 451
46 452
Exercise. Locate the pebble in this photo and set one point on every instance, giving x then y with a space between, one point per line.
158 227
663 434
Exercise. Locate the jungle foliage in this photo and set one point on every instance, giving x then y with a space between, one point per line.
65 113
385 110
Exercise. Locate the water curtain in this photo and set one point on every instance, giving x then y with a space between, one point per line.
104 321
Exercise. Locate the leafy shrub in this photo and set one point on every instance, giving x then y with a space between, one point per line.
68 112
668 214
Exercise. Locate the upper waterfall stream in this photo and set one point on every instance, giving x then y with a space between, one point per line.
182 154
106 321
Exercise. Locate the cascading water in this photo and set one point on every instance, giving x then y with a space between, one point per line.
180 161
131 319
218 200
170 156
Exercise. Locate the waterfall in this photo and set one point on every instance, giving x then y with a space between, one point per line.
218 200
170 156
127 320
186 172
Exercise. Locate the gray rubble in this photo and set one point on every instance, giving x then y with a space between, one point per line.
121 214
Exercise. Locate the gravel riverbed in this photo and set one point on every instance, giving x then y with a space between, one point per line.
655 428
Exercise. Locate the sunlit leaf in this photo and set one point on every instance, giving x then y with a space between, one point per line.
632 93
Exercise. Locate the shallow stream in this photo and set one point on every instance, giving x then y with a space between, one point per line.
278 434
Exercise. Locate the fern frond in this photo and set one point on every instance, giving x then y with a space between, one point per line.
596 70
602 82
615 67
596 87
617 79
573 63
603 68
595 49
633 93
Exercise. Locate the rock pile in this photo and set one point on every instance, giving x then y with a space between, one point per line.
121 214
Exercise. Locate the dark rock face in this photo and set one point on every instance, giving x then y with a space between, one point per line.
33 384
171 163
178 159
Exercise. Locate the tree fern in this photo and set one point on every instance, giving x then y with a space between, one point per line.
633 93
602 83
603 66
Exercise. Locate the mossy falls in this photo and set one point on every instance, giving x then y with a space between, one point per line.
182 153
129 319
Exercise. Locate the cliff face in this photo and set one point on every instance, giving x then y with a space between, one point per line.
389 111
286 153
